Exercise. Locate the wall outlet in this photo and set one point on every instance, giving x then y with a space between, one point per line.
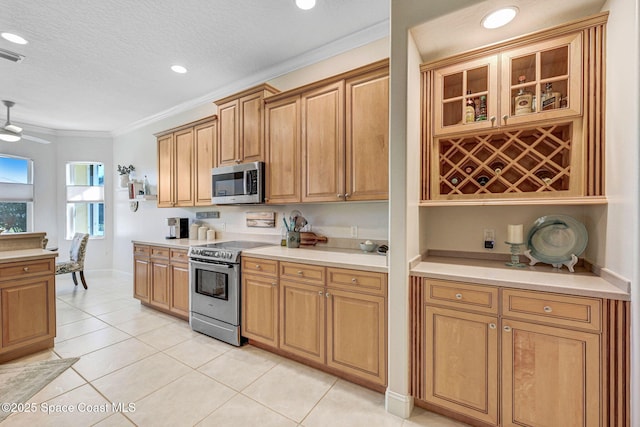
222 226
354 231
489 238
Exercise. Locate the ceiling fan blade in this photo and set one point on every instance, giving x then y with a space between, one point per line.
36 139
13 128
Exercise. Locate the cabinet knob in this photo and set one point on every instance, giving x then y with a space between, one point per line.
354 280
346 195
547 309
458 296
320 293
300 273
493 120
505 117
327 295
237 160
25 269
339 195
274 284
492 325
258 267
507 328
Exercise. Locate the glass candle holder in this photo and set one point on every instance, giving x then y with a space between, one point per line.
515 258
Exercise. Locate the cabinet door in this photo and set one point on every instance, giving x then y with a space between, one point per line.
356 334
461 372
166 197
206 137
141 279
251 145
180 289
159 284
283 151
302 329
557 62
260 309
184 167
228 134
367 137
550 376
323 144
451 87
28 312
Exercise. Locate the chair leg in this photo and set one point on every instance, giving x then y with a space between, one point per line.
84 283
75 279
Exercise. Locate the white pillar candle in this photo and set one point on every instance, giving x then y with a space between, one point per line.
202 232
515 233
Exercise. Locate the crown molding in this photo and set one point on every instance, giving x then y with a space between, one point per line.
28 128
359 38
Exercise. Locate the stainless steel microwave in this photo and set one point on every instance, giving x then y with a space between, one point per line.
237 184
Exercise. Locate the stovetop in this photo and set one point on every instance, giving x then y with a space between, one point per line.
223 251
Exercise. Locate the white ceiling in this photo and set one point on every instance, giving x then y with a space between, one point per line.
102 65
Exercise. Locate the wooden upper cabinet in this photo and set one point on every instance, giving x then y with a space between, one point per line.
185 157
367 137
184 167
323 144
206 137
241 126
165 171
282 130
541 136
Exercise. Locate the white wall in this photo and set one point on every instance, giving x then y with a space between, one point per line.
138 147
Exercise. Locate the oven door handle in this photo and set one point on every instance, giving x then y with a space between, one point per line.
211 263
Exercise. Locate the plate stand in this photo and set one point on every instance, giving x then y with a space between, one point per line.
569 263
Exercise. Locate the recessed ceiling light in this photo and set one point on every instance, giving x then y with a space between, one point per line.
305 4
499 17
13 38
179 69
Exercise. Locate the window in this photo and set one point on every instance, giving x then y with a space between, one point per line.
16 194
85 199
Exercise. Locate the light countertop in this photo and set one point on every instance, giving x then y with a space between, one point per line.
25 255
537 278
175 243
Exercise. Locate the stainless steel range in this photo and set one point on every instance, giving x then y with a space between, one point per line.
214 271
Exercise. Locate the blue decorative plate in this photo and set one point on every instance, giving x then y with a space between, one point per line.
554 238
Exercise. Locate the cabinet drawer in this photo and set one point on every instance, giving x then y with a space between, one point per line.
313 274
16 270
179 255
264 267
357 280
554 309
461 295
158 252
140 251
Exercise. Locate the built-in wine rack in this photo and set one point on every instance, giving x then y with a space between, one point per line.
532 160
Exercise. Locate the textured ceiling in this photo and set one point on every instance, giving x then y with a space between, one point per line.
102 65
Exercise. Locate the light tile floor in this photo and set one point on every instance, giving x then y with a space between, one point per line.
164 374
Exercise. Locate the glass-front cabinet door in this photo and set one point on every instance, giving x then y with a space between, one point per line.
465 96
542 81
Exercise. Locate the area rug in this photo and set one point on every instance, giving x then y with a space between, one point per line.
20 381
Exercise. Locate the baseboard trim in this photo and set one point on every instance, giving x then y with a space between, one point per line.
398 404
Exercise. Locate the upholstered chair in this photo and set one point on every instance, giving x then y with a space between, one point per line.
76 259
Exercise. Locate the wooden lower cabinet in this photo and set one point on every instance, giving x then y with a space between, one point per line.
461 363
302 312
332 317
550 376
161 278
27 307
260 315
537 359
356 332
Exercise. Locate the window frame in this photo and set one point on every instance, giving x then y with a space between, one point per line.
80 191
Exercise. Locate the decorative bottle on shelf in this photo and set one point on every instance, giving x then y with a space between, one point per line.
481 112
482 180
550 99
468 169
470 109
497 167
455 180
145 187
523 99
544 175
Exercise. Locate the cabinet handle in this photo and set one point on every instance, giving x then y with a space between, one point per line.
320 293
25 269
507 328
505 117
458 296
492 325
300 273
547 309
493 120
327 295
339 196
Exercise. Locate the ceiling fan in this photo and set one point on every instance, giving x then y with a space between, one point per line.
12 133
